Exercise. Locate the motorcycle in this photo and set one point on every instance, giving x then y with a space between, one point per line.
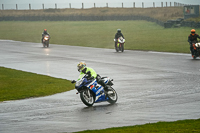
120 44
45 41
91 92
196 47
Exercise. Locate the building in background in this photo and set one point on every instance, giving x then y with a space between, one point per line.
191 11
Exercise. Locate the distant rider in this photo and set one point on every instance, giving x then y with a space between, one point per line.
44 33
117 35
91 75
192 38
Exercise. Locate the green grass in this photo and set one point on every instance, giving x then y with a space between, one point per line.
183 126
140 35
15 84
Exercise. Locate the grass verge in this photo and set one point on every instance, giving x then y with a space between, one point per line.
140 35
15 84
183 126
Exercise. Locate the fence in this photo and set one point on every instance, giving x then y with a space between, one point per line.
88 5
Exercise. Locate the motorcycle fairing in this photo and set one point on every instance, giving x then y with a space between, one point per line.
98 91
46 38
120 40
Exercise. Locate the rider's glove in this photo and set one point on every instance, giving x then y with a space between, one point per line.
90 78
73 81
88 74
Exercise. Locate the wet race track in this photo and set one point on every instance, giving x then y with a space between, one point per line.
151 87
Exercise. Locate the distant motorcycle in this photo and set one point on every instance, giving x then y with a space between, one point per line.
120 44
45 41
196 47
91 92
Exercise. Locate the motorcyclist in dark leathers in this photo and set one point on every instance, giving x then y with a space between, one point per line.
117 35
44 33
192 38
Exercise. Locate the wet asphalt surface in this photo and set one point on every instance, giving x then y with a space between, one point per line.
151 87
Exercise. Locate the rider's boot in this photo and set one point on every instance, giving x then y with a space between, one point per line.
105 89
192 51
101 82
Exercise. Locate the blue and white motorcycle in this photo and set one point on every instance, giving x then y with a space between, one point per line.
91 92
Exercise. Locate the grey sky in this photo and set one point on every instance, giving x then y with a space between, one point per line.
92 1
37 4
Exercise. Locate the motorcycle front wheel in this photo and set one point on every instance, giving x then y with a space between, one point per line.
47 43
122 47
87 98
113 96
195 55
117 49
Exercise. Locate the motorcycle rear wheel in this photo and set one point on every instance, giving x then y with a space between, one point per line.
112 97
87 99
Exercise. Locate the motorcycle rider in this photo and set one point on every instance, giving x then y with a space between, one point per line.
117 35
91 75
192 38
44 33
